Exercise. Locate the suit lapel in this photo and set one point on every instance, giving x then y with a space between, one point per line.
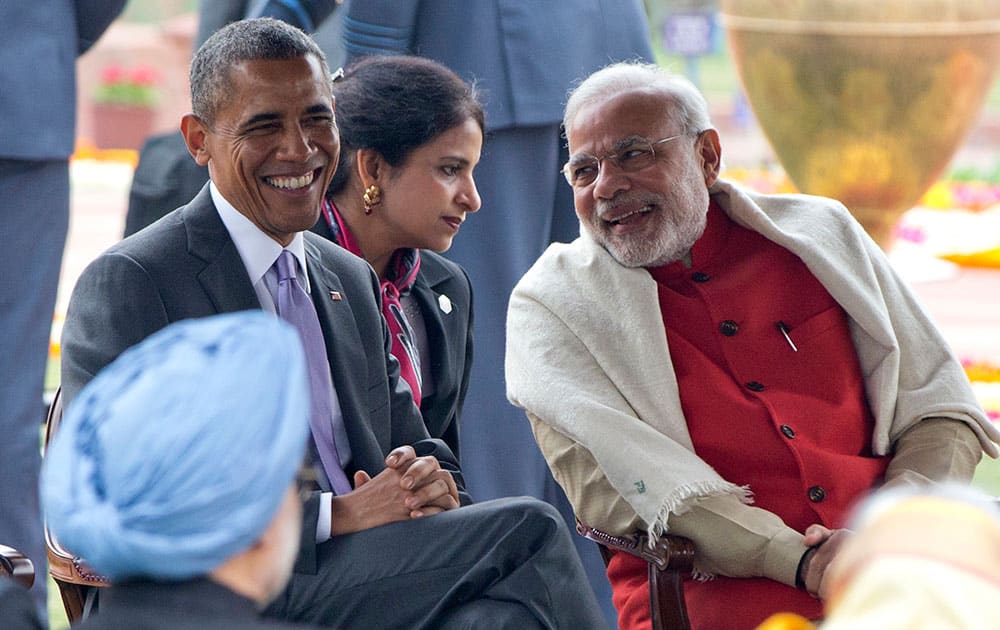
347 359
443 367
224 277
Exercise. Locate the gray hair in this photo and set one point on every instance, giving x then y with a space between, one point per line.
246 40
690 111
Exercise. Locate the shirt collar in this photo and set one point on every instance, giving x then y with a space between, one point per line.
258 250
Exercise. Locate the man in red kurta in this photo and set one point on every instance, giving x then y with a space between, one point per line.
780 360
735 368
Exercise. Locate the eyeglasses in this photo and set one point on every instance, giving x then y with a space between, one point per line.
582 169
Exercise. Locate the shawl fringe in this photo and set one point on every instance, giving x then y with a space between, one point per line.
681 500
684 497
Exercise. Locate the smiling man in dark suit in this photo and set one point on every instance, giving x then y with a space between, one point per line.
263 123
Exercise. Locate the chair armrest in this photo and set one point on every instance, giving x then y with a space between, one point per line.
669 553
65 566
667 561
73 577
15 564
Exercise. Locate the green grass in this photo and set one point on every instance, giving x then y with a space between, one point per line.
987 476
57 614
51 375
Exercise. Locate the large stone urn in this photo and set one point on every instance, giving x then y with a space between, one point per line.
865 101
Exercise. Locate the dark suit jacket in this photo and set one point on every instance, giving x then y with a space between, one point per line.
449 336
186 265
523 55
41 41
198 604
17 611
214 14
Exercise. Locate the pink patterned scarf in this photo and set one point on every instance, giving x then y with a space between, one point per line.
400 277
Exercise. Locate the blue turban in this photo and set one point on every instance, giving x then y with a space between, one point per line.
178 454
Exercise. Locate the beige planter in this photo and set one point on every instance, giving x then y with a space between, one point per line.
865 101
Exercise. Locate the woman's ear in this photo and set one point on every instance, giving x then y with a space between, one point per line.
371 167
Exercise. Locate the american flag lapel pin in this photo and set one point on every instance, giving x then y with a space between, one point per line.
335 296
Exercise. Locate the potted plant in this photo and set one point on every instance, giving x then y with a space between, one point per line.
125 106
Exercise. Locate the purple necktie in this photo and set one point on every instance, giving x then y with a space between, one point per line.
295 307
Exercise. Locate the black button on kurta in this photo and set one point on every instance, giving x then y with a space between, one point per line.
788 431
817 494
754 386
729 328
700 276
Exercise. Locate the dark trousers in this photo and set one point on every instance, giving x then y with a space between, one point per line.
499 564
34 213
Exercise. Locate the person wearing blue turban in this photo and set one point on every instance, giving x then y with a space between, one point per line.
173 474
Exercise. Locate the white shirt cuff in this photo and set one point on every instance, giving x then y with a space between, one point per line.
324 523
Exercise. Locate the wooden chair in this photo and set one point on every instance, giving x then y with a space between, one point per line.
16 566
667 563
76 581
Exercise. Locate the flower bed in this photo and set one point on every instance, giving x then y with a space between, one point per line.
132 87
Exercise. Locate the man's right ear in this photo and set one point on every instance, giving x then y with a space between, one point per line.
195 132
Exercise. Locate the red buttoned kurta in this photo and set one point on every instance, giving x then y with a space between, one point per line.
792 423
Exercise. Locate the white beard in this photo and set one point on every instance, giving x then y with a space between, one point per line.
673 235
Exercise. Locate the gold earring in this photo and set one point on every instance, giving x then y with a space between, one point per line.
372 197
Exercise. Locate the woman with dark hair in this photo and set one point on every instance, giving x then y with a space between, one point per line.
411 132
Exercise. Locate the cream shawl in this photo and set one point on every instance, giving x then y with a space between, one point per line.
587 352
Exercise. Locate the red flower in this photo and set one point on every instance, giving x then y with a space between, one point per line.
145 75
136 86
112 74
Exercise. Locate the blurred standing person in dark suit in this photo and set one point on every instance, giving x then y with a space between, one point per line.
41 41
214 14
305 14
16 609
523 57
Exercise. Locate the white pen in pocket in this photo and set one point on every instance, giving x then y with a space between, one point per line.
784 331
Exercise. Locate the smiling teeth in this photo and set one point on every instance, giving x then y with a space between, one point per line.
634 212
291 183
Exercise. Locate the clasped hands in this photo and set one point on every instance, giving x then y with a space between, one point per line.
409 487
823 543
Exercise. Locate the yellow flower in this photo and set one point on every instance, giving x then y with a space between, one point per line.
939 196
786 621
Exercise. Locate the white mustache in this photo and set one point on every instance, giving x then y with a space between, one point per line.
606 208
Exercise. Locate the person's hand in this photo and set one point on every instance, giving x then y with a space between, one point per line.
434 490
410 487
814 567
